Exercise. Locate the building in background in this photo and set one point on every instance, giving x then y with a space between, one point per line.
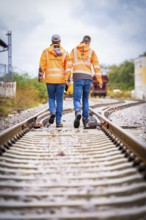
140 77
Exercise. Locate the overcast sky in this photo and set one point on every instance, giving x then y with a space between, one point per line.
117 28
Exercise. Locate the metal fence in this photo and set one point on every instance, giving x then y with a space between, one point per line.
4 75
7 86
3 72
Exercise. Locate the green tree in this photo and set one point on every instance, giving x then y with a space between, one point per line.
122 76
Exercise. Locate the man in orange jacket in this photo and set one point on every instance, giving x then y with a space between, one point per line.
80 63
52 67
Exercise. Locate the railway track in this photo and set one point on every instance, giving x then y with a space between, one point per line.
67 173
137 120
136 126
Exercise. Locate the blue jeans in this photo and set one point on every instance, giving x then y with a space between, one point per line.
82 90
55 99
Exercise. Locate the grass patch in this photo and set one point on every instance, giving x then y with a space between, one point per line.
121 94
29 94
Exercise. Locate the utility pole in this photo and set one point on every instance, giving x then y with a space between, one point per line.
10 72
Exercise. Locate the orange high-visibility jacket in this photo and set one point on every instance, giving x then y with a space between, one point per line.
53 66
80 63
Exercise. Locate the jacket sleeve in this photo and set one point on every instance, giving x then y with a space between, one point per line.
43 61
96 67
69 66
65 60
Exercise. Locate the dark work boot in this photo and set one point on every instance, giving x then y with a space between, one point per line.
85 122
59 125
51 118
77 119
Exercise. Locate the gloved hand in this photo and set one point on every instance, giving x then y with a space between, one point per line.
40 78
40 75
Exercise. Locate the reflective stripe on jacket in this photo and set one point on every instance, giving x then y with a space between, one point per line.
81 61
53 66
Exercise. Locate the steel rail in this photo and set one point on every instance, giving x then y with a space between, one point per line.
20 128
129 140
